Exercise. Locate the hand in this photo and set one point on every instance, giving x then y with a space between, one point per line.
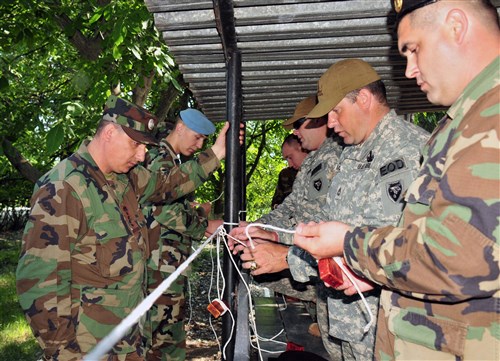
268 257
219 147
363 284
256 233
321 240
213 224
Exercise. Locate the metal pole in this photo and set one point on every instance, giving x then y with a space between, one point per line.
233 186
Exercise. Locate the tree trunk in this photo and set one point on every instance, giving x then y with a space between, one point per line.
19 162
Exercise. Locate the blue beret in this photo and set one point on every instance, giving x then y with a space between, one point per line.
197 121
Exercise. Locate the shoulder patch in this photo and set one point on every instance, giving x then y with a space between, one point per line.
316 169
394 190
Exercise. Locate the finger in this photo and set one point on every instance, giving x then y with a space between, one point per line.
350 291
308 230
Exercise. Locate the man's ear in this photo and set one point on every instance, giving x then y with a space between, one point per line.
179 128
108 131
457 24
364 98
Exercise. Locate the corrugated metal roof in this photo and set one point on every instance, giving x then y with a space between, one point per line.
285 47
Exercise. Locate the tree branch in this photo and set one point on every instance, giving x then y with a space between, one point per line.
19 162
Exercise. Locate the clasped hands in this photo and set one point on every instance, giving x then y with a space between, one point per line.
321 240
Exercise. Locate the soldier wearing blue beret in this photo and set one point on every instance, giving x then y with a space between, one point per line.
172 229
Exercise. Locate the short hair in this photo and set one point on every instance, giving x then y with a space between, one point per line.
290 139
103 123
377 88
483 10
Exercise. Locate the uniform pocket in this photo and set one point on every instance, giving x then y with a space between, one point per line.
117 252
434 333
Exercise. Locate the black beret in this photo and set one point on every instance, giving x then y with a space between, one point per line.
403 7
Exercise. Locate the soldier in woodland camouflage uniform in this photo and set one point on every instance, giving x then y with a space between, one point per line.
172 229
440 265
303 204
294 154
84 249
375 169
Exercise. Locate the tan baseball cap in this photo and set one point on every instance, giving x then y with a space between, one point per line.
301 111
340 79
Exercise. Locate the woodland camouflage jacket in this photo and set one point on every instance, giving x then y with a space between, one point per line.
81 269
441 264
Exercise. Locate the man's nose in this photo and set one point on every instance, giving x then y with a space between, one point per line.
411 68
141 153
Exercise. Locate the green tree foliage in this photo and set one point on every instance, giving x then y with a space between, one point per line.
426 120
59 60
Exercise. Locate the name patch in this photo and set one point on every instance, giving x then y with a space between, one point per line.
392 166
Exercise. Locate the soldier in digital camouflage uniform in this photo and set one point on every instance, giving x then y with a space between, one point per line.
302 205
85 246
380 160
294 154
173 227
440 265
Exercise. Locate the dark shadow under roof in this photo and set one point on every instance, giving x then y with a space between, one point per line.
285 47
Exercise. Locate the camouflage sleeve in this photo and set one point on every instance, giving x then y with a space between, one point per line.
43 273
284 214
302 265
449 231
180 181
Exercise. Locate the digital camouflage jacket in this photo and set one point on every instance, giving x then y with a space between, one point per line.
441 263
81 268
368 188
309 190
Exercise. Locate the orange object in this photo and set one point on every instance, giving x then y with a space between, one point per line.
330 272
217 308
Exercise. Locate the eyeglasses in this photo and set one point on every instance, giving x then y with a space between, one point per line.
298 123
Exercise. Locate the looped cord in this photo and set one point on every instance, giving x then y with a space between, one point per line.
337 260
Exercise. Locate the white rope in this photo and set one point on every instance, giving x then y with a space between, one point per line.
262 225
338 260
119 331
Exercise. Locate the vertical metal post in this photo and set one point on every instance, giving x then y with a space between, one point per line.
234 183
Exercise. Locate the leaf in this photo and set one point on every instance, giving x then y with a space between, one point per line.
95 17
55 137
116 53
136 53
4 82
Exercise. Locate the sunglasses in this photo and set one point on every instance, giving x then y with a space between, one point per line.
298 123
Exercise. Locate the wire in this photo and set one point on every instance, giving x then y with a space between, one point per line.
338 260
119 331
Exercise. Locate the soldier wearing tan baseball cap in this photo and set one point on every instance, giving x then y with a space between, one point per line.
301 111
340 79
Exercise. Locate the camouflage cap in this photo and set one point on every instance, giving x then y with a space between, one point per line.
301 111
137 122
404 7
340 79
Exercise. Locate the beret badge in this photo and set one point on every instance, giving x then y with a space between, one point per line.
398 5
